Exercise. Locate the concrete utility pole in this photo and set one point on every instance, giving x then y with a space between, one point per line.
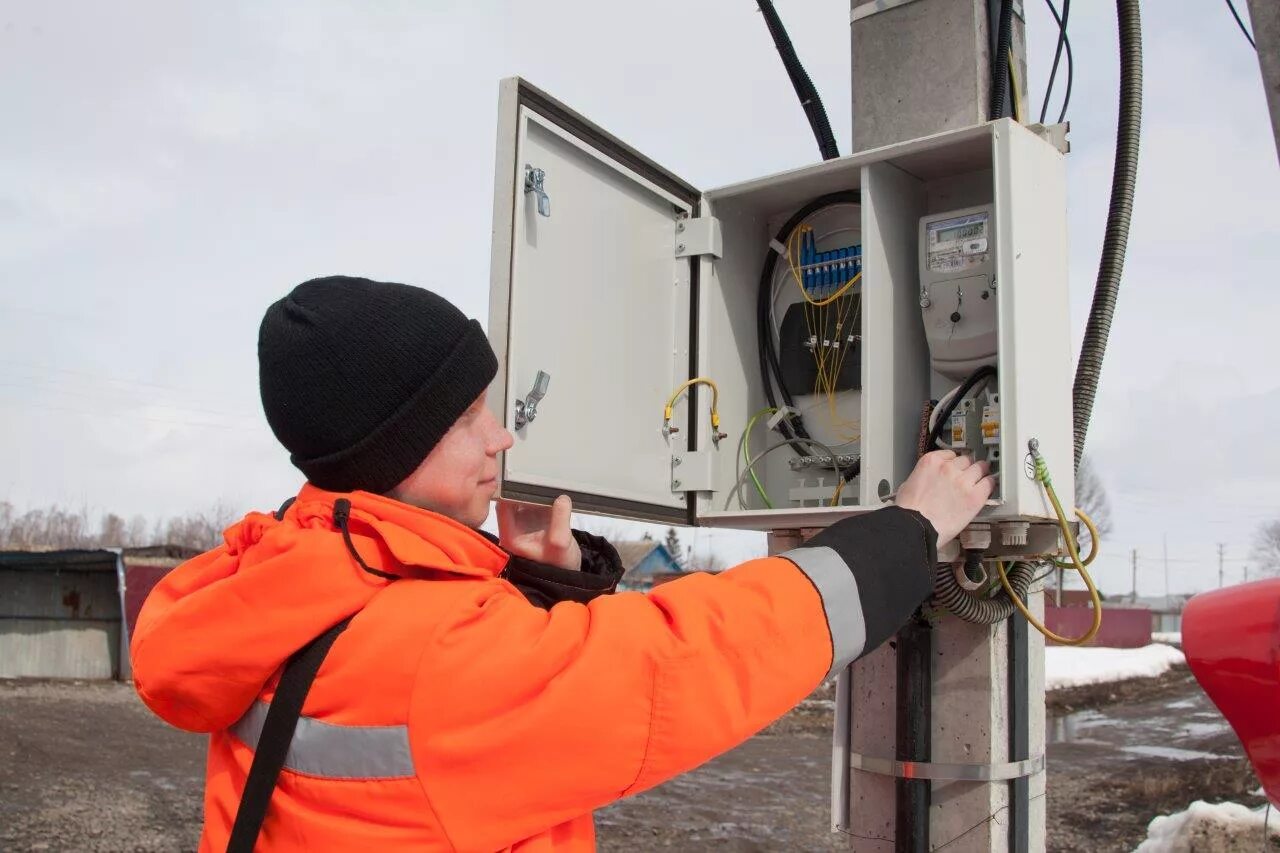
920 67
1166 567
1221 572
1133 560
1265 15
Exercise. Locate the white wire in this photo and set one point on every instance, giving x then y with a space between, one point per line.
946 399
942 404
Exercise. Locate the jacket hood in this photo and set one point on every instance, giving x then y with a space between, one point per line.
217 628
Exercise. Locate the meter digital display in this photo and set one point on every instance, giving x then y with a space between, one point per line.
959 233
957 244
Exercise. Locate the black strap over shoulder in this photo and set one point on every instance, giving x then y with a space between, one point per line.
277 735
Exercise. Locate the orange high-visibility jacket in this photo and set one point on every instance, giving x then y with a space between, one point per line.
456 714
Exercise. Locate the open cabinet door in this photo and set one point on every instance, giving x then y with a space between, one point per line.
589 312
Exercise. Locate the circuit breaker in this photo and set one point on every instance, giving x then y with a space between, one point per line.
778 352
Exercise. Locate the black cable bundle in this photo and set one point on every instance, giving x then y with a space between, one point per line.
805 90
770 369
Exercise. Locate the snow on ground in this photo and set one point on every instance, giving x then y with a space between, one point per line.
1067 666
1208 828
1172 638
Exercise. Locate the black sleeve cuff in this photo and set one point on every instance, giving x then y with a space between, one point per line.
892 553
598 556
545 586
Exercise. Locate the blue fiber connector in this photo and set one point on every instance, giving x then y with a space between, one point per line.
806 260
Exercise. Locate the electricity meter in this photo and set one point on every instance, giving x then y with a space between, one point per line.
957 290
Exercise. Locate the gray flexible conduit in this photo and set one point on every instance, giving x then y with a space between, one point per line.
1124 179
948 593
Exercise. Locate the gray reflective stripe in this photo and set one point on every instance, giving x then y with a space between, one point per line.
839 590
336 752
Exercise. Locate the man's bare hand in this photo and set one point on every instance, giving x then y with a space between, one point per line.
540 533
947 489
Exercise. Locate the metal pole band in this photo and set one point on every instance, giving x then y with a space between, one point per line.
876 6
943 772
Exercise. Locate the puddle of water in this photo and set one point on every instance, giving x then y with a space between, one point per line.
1204 729
1070 728
1169 752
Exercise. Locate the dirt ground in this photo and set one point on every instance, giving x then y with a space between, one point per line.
86 767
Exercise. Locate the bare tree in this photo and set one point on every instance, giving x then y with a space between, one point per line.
202 530
707 561
1266 548
112 531
136 536
6 522
56 527
1091 496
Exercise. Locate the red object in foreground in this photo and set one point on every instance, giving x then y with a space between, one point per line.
1232 641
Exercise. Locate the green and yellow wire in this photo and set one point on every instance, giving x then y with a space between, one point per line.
1042 475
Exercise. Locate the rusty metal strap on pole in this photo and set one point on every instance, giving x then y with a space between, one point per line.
944 772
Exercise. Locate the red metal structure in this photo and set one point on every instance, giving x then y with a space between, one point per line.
1232 641
1122 627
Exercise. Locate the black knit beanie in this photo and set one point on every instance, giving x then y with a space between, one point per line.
360 378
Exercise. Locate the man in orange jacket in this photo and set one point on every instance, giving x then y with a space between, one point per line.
480 695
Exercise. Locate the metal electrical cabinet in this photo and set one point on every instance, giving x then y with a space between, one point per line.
613 282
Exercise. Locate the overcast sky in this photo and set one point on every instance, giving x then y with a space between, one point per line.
169 169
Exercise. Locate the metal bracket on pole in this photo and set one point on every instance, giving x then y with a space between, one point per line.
943 772
1054 134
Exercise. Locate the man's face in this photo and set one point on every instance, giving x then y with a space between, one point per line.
460 476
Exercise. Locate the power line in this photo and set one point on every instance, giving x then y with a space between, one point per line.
1115 556
1232 6
95 376
1063 41
95 413
105 396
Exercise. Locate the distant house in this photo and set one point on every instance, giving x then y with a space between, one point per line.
646 564
1166 611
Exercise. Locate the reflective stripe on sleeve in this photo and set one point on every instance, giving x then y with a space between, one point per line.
838 589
